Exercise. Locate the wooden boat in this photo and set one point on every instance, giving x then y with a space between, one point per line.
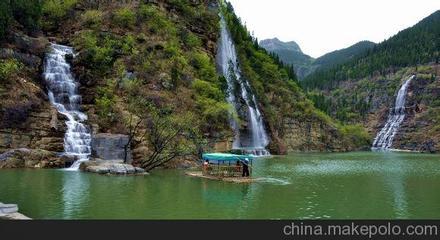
225 166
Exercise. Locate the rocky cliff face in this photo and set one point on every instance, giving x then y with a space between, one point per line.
420 128
29 122
310 136
43 128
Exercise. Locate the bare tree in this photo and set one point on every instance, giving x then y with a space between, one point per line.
167 136
134 125
170 137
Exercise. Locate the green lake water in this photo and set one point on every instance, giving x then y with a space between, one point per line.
300 186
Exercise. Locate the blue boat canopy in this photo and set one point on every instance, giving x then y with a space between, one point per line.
226 157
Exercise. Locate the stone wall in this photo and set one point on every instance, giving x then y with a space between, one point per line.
107 146
43 129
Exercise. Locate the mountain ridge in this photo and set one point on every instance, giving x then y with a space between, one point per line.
304 65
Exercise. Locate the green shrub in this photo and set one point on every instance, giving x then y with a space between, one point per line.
9 68
99 52
57 9
215 114
156 20
355 135
207 89
124 17
92 18
105 102
128 44
148 12
190 39
132 86
204 66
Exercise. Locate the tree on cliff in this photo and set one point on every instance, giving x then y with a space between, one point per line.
167 136
170 137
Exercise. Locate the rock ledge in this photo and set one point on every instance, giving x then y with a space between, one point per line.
116 167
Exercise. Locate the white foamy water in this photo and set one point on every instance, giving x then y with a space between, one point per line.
384 139
63 94
227 60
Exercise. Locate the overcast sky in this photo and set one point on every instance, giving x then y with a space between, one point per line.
321 26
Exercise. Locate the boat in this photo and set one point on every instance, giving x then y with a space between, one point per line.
225 166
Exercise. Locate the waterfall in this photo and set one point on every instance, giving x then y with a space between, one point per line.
253 139
384 139
63 94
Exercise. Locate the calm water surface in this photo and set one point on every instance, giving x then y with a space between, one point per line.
336 186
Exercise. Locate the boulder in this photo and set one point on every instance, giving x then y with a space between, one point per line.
110 146
35 46
113 167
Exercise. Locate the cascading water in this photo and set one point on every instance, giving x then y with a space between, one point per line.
63 94
256 139
384 138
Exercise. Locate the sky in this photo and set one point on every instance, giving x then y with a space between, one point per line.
322 26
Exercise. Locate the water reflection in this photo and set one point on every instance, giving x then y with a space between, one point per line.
75 194
395 183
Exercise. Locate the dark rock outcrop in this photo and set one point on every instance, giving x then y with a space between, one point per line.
110 146
29 60
27 44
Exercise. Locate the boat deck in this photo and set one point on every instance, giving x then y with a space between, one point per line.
199 174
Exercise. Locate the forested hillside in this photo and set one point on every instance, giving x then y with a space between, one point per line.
343 55
416 45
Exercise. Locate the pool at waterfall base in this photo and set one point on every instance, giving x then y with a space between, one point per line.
362 185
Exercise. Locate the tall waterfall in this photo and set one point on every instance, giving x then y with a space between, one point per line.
63 94
253 139
384 138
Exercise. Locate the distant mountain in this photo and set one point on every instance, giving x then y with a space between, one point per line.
304 65
290 53
419 44
344 55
